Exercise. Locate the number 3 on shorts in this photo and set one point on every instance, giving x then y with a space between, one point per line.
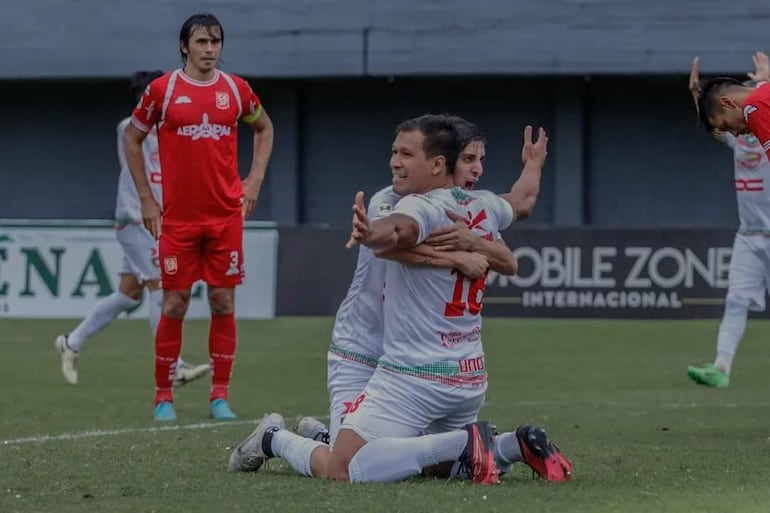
234 267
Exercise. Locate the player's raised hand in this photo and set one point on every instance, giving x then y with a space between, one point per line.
455 237
360 227
250 194
151 216
472 265
694 83
534 151
761 67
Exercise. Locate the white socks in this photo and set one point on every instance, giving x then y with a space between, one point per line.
507 451
295 449
388 460
103 313
730 333
156 308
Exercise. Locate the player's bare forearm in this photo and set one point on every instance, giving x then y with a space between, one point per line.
421 255
396 231
501 260
525 190
263 148
132 140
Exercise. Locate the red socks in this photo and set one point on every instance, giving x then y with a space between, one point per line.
222 342
168 343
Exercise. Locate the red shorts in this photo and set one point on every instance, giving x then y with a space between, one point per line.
212 253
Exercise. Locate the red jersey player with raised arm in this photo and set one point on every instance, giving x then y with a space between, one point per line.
726 105
196 110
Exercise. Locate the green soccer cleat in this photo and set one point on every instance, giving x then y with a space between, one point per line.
709 375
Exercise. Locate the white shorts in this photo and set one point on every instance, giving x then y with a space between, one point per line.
345 380
140 253
749 277
398 405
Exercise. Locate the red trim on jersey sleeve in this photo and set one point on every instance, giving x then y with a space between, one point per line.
147 111
758 120
251 106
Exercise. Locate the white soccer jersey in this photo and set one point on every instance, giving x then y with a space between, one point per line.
752 183
128 208
358 326
432 316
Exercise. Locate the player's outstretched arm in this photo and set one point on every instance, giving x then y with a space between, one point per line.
394 231
471 264
526 189
263 148
135 159
694 86
458 237
501 259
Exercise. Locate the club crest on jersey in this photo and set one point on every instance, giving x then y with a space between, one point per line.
223 100
461 197
169 265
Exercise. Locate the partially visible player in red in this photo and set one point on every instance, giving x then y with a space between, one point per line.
725 104
196 110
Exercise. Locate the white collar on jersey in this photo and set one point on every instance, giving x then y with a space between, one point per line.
187 78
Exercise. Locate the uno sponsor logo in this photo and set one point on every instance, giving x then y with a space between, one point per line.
472 364
749 185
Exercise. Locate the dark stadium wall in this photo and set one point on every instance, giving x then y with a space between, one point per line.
624 151
307 38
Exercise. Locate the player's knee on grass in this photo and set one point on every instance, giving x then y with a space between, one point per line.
319 462
175 303
130 286
348 444
221 300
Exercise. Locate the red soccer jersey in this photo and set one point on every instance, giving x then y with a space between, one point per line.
198 143
756 111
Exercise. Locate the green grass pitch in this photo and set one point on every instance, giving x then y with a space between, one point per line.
612 394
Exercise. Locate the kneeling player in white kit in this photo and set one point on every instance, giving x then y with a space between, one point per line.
456 384
358 328
140 257
749 274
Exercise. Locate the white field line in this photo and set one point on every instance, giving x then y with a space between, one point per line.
100 433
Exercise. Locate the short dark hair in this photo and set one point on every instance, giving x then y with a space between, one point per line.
468 132
441 136
205 20
708 101
139 81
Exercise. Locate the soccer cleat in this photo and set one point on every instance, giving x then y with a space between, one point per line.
69 360
188 372
309 427
250 454
478 457
221 410
709 375
165 412
543 457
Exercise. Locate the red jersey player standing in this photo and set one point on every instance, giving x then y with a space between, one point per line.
725 104
196 110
